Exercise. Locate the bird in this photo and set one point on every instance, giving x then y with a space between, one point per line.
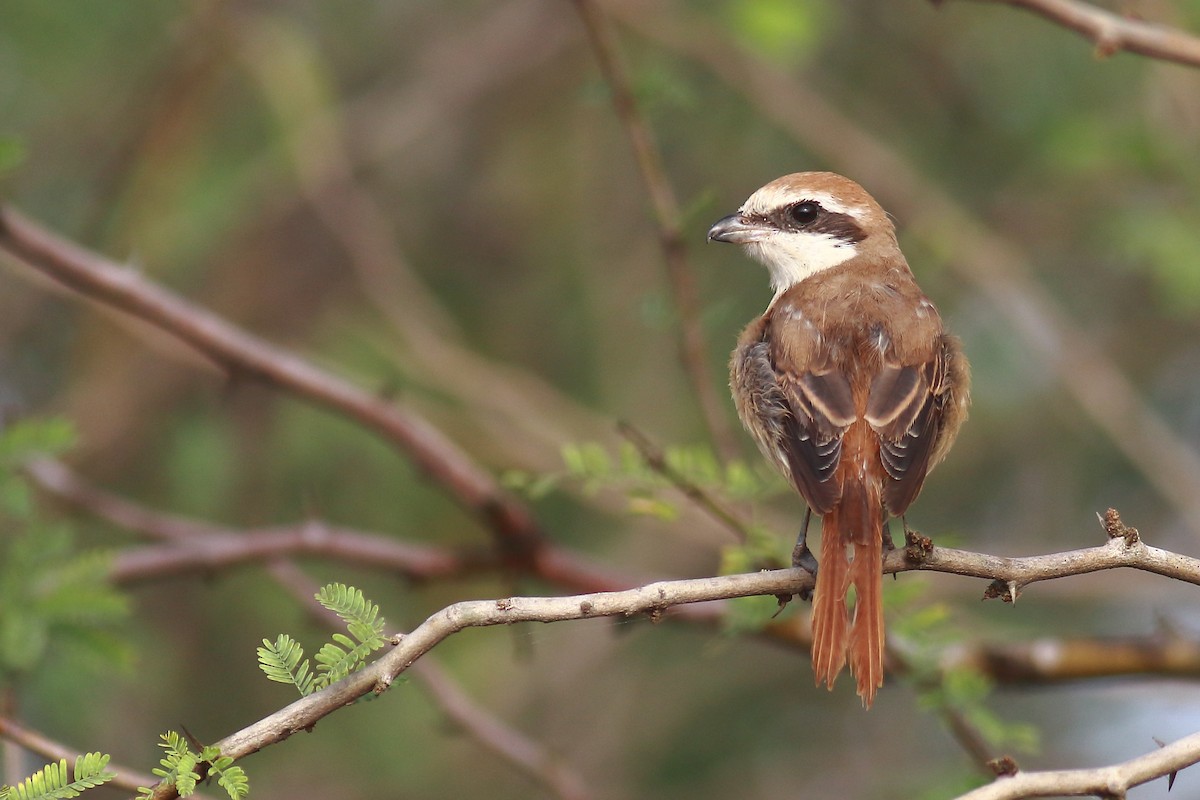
850 386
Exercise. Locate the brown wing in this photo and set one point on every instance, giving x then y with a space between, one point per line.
822 408
819 404
906 408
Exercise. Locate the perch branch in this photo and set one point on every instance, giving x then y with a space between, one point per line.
1106 783
656 599
494 735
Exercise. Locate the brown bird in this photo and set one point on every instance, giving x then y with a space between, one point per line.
851 388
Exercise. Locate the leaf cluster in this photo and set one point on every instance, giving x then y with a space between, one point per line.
283 660
48 591
51 782
593 467
181 768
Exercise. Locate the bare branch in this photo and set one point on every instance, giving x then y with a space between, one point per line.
694 352
1112 33
240 352
1103 782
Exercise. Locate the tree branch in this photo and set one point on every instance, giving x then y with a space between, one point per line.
240 352
693 350
1106 783
1112 33
656 599
529 756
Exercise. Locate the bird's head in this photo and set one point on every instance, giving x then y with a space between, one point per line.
803 223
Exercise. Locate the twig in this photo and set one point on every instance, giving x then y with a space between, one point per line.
446 464
529 756
693 350
1112 33
1103 782
655 459
47 748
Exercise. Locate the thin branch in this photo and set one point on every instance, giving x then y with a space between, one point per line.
655 459
694 351
195 546
1112 33
526 754
240 352
47 748
1103 782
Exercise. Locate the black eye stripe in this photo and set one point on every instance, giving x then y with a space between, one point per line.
832 223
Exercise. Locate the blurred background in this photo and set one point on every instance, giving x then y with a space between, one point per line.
437 201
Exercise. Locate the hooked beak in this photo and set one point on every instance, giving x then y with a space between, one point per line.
736 230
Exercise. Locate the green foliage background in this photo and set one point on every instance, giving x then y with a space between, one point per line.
190 141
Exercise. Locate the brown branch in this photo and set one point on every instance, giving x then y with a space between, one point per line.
693 350
1112 33
1052 660
198 547
104 281
1102 782
533 758
47 748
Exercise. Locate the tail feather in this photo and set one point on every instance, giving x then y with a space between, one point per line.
829 616
866 631
856 522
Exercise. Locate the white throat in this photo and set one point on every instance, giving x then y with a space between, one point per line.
790 257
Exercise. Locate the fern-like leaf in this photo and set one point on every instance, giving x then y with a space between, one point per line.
235 783
51 781
339 658
281 661
360 614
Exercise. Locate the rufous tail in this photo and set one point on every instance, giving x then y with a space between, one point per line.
851 555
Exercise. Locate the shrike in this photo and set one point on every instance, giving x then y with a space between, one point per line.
849 385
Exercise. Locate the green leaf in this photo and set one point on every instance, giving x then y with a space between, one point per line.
12 153
35 437
235 783
281 662
51 782
782 31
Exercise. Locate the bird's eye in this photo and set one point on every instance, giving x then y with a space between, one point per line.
805 213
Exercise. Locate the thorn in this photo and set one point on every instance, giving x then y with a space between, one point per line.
1174 772
1013 591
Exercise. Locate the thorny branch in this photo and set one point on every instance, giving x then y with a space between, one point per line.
657 599
1105 783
